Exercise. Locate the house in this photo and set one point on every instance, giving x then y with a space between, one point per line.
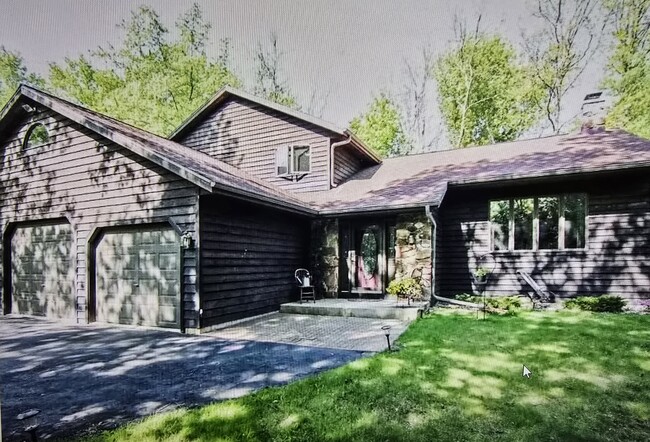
105 222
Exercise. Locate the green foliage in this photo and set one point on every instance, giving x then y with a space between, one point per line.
485 95
509 304
605 303
155 79
405 288
481 272
629 65
381 128
454 379
12 73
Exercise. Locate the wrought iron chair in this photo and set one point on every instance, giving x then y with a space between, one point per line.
307 290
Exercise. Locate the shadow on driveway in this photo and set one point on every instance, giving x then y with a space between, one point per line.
90 377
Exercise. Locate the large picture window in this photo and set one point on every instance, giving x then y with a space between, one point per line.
540 223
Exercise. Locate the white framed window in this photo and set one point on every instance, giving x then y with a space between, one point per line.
557 222
293 160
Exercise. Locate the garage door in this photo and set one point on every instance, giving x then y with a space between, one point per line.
138 277
42 273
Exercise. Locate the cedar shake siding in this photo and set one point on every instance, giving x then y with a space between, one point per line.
94 184
248 257
247 135
616 259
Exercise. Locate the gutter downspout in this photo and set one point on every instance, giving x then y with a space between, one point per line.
333 146
434 234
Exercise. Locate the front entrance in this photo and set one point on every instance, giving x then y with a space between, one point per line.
363 261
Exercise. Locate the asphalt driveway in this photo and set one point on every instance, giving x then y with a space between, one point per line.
90 377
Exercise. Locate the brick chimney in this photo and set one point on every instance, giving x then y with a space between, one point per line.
593 111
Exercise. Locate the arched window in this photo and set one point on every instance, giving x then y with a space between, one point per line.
36 135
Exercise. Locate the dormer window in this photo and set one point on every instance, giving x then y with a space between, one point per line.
293 160
36 135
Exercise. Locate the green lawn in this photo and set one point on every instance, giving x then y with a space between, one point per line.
454 378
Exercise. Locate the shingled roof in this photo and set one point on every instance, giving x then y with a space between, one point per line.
199 168
402 182
417 180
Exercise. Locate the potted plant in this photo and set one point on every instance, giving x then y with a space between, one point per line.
481 275
408 288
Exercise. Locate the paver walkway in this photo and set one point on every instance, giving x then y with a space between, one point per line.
361 334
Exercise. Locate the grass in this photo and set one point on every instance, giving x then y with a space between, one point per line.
454 378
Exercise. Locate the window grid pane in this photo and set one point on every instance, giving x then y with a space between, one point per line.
575 212
548 213
523 214
500 223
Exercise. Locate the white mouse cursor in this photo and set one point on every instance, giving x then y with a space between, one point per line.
526 373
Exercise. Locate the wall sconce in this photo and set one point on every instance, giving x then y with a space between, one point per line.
187 241
29 109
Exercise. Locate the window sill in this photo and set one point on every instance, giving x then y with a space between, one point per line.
540 252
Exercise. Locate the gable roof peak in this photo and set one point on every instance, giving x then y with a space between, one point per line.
227 92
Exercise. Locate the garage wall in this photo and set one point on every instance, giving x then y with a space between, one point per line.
248 258
94 184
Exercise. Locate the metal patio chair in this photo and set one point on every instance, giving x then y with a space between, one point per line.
305 283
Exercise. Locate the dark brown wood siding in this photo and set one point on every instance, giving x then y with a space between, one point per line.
248 258
346 164
247 135
615 261
95 184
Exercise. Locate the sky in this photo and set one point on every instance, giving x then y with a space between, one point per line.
345 51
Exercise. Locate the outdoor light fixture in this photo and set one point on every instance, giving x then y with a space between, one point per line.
29 109
386 329
30 420
187 240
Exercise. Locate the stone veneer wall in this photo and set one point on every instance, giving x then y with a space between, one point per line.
412 249
325 256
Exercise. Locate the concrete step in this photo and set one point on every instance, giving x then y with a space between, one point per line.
361 309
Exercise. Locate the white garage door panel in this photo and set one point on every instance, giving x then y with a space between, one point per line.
42 273
138 277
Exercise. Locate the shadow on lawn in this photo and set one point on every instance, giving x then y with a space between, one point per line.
455 378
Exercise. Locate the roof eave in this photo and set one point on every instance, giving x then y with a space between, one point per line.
561 173
227 91
122 140
367 151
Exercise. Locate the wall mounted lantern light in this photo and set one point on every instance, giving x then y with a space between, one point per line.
187 242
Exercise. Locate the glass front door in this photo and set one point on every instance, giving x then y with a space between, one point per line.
362 266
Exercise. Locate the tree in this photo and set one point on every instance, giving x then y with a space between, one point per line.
560 52
629 65
269 82
151 80
485 95
381 128
415 102
12 73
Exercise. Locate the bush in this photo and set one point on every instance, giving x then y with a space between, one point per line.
508 303
605 303
405 288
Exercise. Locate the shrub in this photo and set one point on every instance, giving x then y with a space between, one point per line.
605 303
508 303
405 288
